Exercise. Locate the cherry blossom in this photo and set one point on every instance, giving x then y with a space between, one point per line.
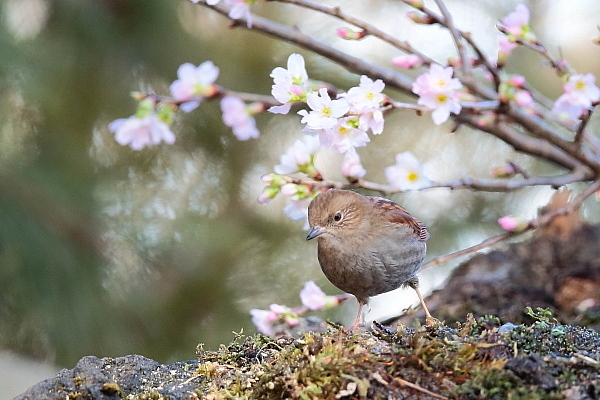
407 173
236 115
351 165
367 95
324 111
516 24
583 88
299 157
265 320
313 297
139 132
290 85
344 135
580 92
439 91
371 120
506 45
514 27
192 82
567 108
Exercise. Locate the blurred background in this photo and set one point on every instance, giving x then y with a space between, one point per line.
106 251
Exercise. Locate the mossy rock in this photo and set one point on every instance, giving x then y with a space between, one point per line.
476 359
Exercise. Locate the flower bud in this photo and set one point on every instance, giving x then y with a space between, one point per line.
145 108
350 34
268 194
514 224
407 61
296 192
507 170
415 3
138 95
274 179
420 18
165 113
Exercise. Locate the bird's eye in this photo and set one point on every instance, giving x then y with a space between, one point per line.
337 216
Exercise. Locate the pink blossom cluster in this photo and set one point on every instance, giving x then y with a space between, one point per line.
238 116
140 132
343 123
194 83
149 126
277 316
514 28
512 88
438 91
580 94
290 85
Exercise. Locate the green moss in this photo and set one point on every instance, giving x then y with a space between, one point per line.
476 360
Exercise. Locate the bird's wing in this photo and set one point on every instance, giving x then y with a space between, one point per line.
398 215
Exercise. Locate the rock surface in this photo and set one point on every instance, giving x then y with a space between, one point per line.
116 378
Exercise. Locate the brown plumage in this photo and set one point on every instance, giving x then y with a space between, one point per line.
366 245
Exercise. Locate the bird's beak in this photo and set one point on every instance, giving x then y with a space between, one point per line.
314 232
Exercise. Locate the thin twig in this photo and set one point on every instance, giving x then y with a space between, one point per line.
448 22
580 134
411 385
293 35
540 128
368 28
535 223
457 34
219 93
537 147
489 185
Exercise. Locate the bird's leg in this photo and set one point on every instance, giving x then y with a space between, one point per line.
359 320
414 283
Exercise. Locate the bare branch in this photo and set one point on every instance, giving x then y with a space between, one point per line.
540 128
489 185
523 143
448 22
535 223
291 35
369 29
579 135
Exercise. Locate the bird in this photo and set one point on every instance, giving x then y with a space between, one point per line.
367 245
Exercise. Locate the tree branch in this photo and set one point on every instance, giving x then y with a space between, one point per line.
291 35
535 223
369 29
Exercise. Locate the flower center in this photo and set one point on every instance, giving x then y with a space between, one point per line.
412 176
